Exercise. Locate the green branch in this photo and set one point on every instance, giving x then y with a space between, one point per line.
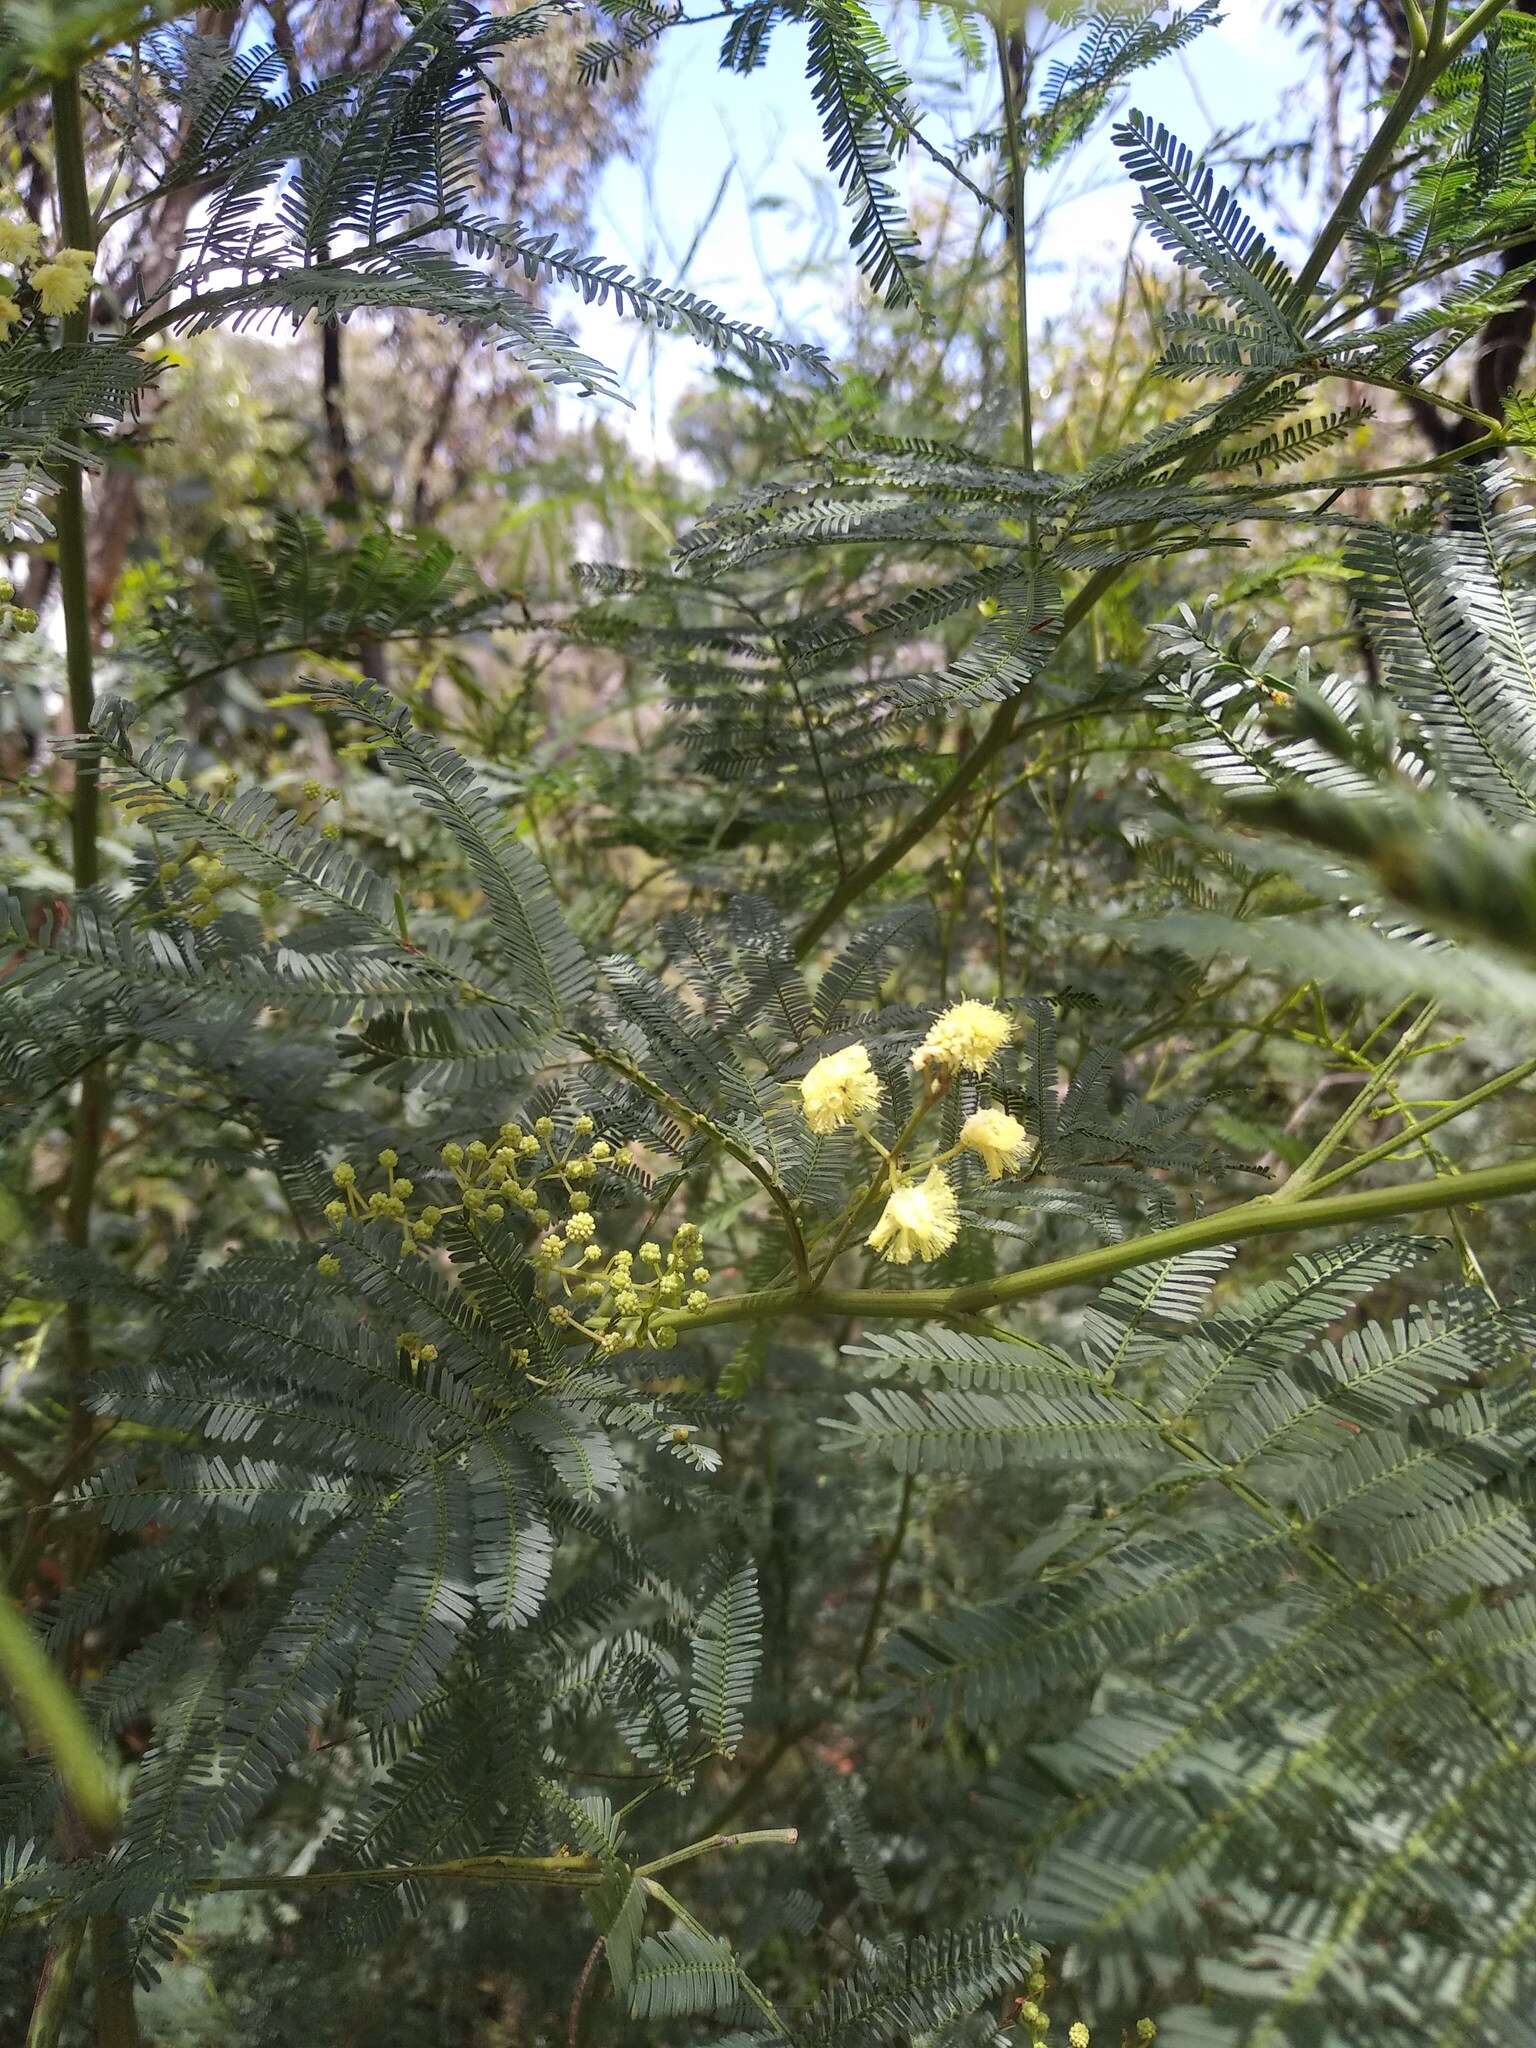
1410 1136
1265 1217
1002 728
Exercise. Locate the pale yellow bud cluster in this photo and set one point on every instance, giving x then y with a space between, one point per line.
59 283
630 1291
316 793
204 880
528 1175
14 618
1034 2022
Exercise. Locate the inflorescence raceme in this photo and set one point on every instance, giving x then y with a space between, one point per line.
543 1177
921 1216
621 1300
1034 2022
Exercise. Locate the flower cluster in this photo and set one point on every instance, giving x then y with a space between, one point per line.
59 283
921 1217
15 618
542 1177
197 880
1034 2021
626 1295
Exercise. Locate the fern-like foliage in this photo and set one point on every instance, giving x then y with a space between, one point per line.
1303 1574
1421 794
53 405
301 594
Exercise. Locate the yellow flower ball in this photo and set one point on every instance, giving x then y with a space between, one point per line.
61 287
921 1220
999 1140
1078 2035
20 240
10 313
840 1086
967 1037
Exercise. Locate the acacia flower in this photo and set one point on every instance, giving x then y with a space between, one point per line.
840 1086
19 241
1000 1140
920 1220
61 287
1078 2035
10 313
966 1037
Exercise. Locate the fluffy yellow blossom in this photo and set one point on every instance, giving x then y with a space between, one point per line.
1000 1140
10 313
61 287
19 241
919 1221
968 1036
840 1086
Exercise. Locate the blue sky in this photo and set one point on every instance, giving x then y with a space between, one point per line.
738 164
